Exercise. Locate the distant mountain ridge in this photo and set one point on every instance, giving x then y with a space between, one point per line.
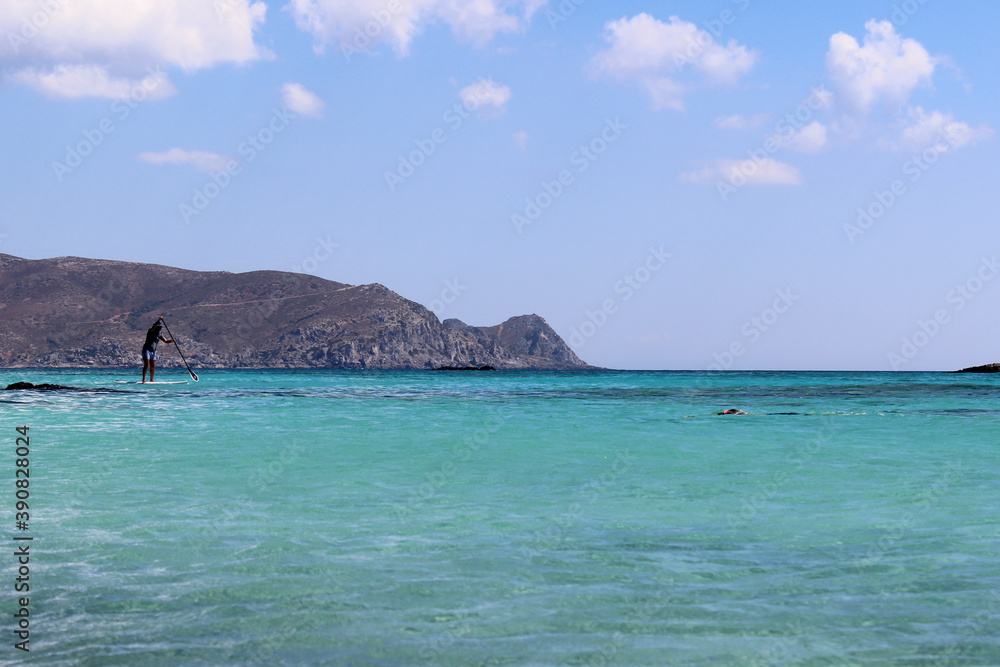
71 311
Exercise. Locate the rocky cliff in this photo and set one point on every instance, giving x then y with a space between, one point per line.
70 312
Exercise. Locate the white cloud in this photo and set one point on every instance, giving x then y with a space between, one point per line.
521 139
655 54
200 160
485 95
357 24
810 139
738 122
766 171
884 73
885 70
77 48
301 101
665 92
532 6
75 81
940 130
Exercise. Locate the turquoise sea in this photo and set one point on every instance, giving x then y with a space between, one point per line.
508 518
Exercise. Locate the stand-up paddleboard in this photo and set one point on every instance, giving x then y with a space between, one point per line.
137 382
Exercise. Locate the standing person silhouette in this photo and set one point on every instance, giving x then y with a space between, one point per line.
153 339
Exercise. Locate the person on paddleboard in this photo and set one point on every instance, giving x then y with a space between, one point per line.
153 339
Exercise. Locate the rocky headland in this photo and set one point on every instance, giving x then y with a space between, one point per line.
76 312
988 368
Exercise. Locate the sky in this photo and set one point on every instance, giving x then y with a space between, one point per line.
733 184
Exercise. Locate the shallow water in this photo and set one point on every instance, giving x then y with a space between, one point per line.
529 518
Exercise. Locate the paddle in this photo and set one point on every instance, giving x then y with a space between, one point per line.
194 376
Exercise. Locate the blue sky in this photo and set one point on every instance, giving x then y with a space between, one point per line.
672 185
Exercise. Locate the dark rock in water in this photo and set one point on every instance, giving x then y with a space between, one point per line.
465 368
27 386
43 387
988 368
